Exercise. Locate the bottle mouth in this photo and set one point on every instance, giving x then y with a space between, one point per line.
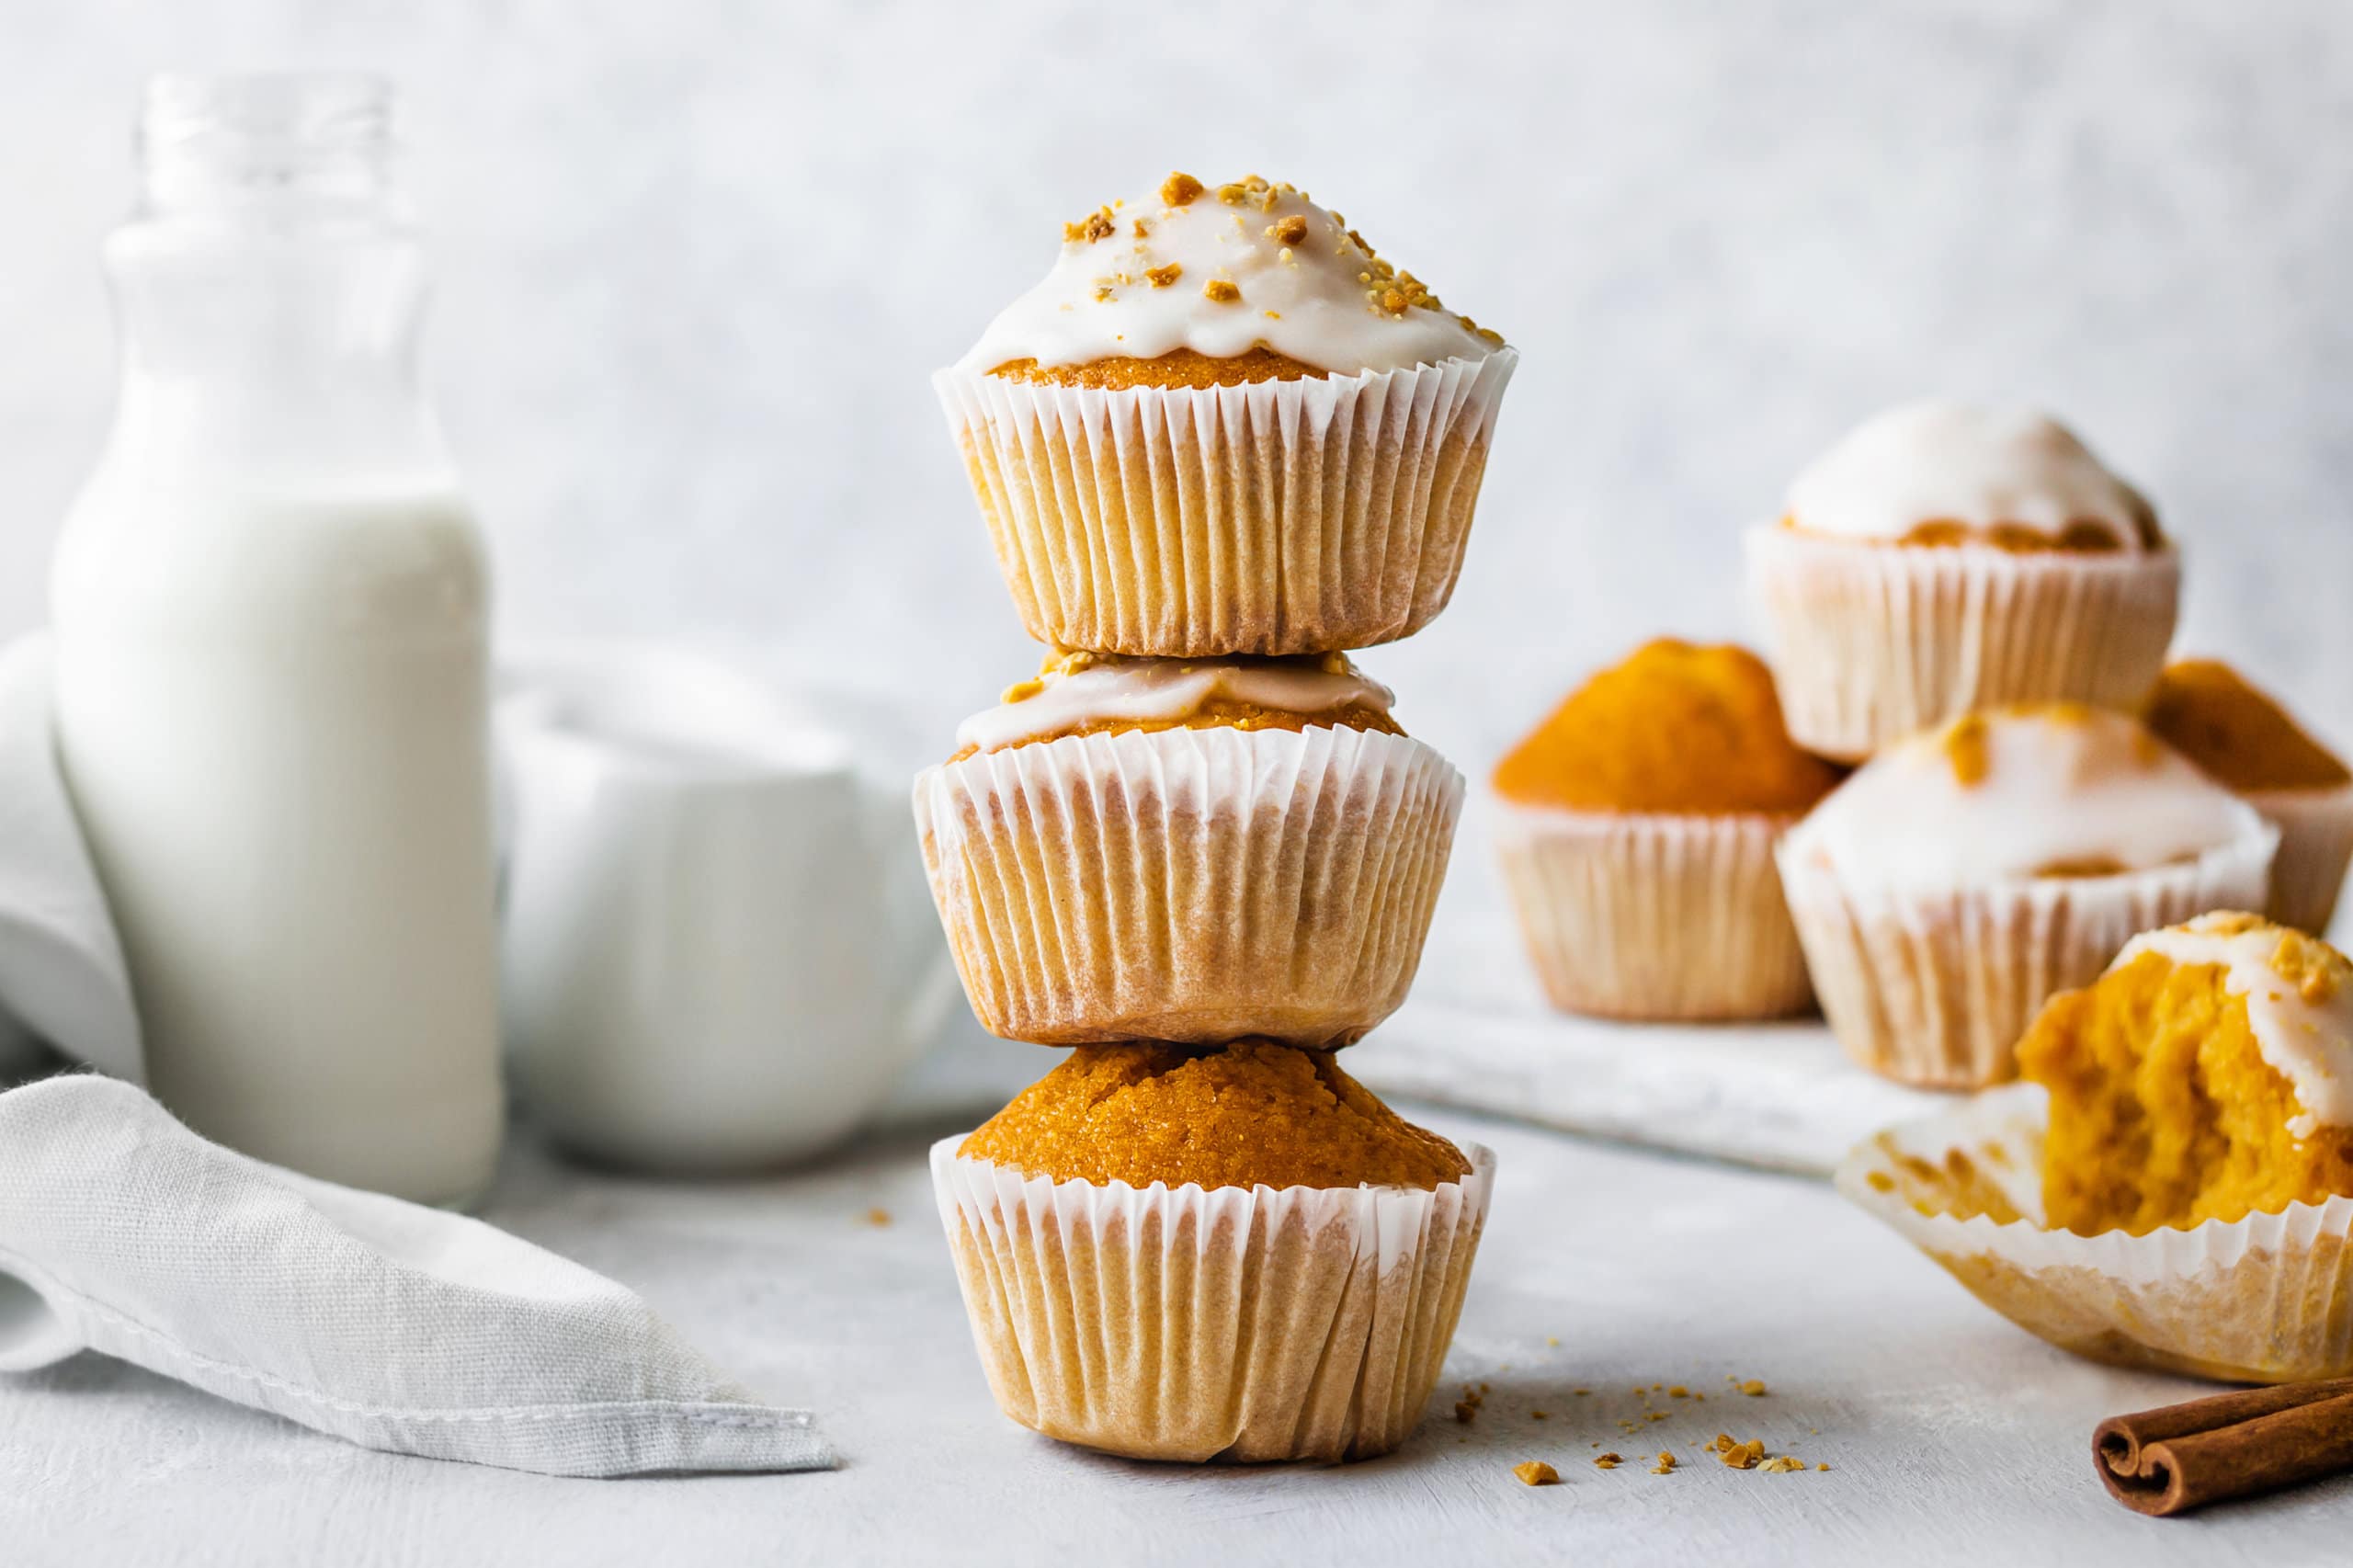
225 140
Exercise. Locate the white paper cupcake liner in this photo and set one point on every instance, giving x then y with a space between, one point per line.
1934 989
2266 1298
1227 1323
1871 641
1189 884
1630 916
2316 846
1276 517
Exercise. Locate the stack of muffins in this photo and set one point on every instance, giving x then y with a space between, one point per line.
1219 445
1971 605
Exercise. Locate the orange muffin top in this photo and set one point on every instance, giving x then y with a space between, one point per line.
1077 693
2234 734
1199 286
1248 1113
2207 1075
1676 728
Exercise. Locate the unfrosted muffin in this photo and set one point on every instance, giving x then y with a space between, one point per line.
2207 1075
1950 887
1190 850
1636 835
1944 557
1225 1253
2241 738
1221 424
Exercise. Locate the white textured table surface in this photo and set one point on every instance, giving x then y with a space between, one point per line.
1951 1437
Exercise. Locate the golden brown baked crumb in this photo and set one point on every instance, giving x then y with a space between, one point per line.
1180 367
1675 728
1220 290
1161 277
1291 231
2240 737
1180 191
1606 1461
1249 1114
1536 1472
1096 225
1965 749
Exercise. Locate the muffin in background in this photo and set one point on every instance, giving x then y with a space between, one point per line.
1225 1253
1636 837
1943 558
1223 425
2207 1075
1967 874
2242 739
1189 850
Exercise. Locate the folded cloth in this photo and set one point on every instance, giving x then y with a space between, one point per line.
389 1324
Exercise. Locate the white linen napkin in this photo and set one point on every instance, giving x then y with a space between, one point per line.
389 1324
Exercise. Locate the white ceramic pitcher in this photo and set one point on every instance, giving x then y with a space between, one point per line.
719 953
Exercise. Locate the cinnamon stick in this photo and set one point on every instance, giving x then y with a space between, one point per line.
2228 1445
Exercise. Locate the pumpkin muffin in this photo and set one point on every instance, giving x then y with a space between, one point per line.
1954 885
1222 1252
1943 558
1189 850
2207 1075
2245 741
1636 837
2174 1186
1223 424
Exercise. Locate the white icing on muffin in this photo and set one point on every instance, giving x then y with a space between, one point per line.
2304 1030
2021 793
1229 269
1979 469
1141 691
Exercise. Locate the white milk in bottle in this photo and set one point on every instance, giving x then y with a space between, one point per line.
271 613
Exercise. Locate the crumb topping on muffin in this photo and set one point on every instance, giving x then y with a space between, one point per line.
2207 1075
1676 728
1950 473
1080 693
2052 790
1269 274
1248 1113
2238 735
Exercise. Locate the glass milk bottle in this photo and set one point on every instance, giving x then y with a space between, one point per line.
271 610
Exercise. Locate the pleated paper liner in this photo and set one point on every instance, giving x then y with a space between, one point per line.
1276 518
1934 989
1189 884
2266 1299
2315 845
1629 916
1871 641
1239 1323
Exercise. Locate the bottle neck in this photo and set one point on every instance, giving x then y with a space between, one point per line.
269 288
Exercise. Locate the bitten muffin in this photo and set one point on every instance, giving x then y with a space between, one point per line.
1950 887
1636 837
2244 739
1226 1253
2207 1075
1189 850
1221 424
1943 558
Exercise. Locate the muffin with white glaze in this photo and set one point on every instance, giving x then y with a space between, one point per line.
1943 558
1954 885
2173 1186
1223 425
1188 850
2245 741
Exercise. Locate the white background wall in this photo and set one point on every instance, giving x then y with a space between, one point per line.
698 257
